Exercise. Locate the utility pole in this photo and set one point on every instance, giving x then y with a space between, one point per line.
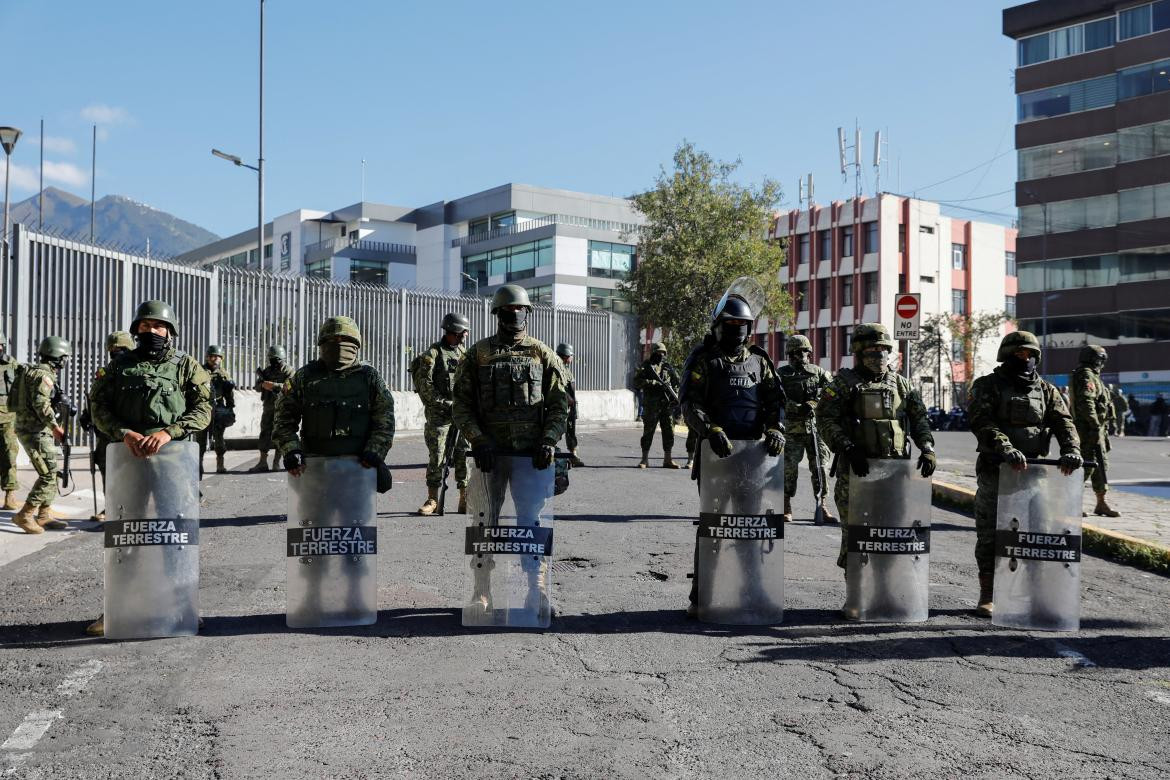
41 192
93 187
260 160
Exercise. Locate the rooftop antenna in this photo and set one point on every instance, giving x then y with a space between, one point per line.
878 159
363 180
842 148
805 189
841 153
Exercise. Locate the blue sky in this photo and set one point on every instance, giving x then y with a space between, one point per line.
444 99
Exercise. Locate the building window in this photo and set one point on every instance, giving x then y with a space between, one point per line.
1009 305
367 271
478 226
609 300
802 296
847 241
1142 203
956 351
846 336
871 287
1082 154
901 283
928 229
610 261
1143 265
1143 80
822 342
1009 262
322 269
824 286
506 219
958 257
825 250
1146 326
1066 42
512 262
1068 98
1144 141
1066 215
1077 330
802 248
871 237
901 239
541 293
846 290
958 301
1070 273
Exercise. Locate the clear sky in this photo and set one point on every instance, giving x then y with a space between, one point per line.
444 99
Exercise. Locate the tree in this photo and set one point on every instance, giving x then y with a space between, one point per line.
971 330
931 354
701 232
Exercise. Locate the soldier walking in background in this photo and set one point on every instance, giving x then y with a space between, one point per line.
803 384
10 446
116 343
565 353
659 383
270 380
1091 409
1120 408
434 381
39 429
223 405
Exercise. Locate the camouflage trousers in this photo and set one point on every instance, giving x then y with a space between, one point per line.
571 433
986 510
797 445
9 450
841 499
42 451
1096 475
266 420
692 443
657 417
100 443
435 433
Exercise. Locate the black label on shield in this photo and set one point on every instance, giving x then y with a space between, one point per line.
313 540
888 540
713 525
508 540
1029 546
151 533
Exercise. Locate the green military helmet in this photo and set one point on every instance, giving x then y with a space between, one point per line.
1092 354
339 326
216 351
510 295
55 347
870 334
156 310
119 339
275 352
565 350
797 342
1018 339
657 346
456 323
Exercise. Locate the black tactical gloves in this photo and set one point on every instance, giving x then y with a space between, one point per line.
720 444
857 461
1070 462
774 441
293 460
543 457
484 457
927 463
370 460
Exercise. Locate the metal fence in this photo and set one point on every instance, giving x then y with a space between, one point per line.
57 286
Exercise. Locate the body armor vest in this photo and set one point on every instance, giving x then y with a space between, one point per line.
148 396
800 387
446 361
1101 402
1019 413
510 385
733 395
336 409
879 411
7 375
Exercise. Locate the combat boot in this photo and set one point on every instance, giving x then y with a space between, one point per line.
262 465
26 521
787 515
1102 509
431 505
986 590
462 501
690 464
645 463
668 462
220 468
10 500
97 627
577 462
830 518
46 518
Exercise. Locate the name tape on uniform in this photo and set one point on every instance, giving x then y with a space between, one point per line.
313 540
151 533
888 540
1065 548
509 540
713 525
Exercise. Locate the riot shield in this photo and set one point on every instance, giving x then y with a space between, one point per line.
331 572
509 544
152 542
887 544
1038 549
739 576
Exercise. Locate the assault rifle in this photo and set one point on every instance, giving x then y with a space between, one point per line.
454 443
65 411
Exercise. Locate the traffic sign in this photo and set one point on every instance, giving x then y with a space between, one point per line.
907 312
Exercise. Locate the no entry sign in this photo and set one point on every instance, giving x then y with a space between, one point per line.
907 312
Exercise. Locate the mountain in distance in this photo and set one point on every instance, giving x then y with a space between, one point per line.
117 220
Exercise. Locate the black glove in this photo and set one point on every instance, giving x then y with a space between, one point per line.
484 455
543 457
774 441
720 444
1070 462
1014 457
857 461
293 460
927 463
370 460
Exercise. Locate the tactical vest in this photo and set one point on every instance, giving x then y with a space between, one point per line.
147 395
510 385
443 376
734 395
219 380
1101 402
336 409
7 376
800 387
879 414
1019 413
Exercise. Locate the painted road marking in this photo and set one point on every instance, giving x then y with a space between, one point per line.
31 729
1078 659
1159 697
37 723
76 682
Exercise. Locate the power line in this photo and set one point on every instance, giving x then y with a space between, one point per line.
964 173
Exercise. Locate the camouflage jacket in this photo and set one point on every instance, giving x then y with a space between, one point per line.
136 393
650 379
326 412
280 374
803 386
222 386
8 366
1090 404
34 406
511 394
845 416
1008 412
435 378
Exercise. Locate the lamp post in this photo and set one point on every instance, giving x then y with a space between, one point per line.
234 160
8 139
471 279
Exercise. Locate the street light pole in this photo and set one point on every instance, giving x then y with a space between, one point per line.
8 139
473 280
260 159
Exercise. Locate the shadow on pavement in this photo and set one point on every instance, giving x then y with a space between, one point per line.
240 522
620 518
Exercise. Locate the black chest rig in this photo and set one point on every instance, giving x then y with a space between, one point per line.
735 395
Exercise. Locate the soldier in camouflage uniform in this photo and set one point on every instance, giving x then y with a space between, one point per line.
658 382
871 411
565 353
1092 409
10 446
223 404
803 383
150 395
434 381
1120 408
510 399
270 382
116 343
39 429
1014 414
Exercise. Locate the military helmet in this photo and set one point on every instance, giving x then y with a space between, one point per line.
156 310
870 334
215 351
274 352
456 323
797 342
565 350
1092 354
657 346
1018 339
339 326
119 339
54 347
734 308
510 295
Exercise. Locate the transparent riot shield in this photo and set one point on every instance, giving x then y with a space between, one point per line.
1038 549
509 544
152 542
331 572
739 576
887 544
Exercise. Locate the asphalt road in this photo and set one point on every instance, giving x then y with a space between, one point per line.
622 686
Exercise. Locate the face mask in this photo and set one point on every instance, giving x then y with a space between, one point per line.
732 336
798 358
513 321
875 362
274 361
151 344
657 358
337 355
1020 367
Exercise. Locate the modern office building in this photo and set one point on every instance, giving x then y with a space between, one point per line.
1093 138
848 260
570 248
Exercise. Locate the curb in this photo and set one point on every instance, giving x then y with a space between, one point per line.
1102 542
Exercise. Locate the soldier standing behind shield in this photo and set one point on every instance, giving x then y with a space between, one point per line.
39 430
270 381
152 394
1014 415
565 353
223 404
434 381
803 384
116 343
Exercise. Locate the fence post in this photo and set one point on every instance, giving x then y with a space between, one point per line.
213 307
126 268
402 339
609 353
21 265
302 348
555 322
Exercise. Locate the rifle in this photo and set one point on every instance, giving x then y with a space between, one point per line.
66 411
454 442
87 426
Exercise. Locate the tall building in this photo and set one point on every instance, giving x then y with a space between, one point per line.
848 260
570 248
1093 138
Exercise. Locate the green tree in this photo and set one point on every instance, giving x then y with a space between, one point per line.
701 232
930 356
971 331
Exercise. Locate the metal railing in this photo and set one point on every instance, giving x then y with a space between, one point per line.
625 228
320 250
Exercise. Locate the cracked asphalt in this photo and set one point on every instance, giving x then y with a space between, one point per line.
622 686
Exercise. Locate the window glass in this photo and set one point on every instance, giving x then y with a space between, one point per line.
846 337
1009 262
1034 49
802 249
956 351
367 271
1143 327
1160 12
1069 273
871 287
1133 22
1058 159
322 269
802 296
1145 265
1134 82
1136 143
1076 331
1099 34
824 286
822 342
847 241
612 261
901 238
1067 98
478 226
609 300
825 250
847 291
958 257
1067 215
541 294
506 219
1136 204
871 237
522 263
1009 305
545 254
959 301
